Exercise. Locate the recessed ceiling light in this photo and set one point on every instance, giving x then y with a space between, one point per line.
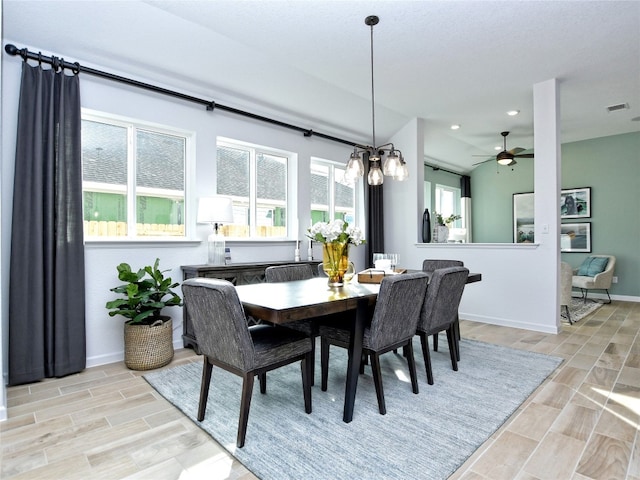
497 148
512 113
455 126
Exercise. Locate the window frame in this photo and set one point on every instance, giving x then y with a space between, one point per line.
133 125
332 165
291 188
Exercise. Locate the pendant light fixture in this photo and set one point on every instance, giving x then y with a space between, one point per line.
394 165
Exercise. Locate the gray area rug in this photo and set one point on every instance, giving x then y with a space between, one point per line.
428 435
580 309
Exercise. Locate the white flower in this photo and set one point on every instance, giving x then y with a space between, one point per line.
337 230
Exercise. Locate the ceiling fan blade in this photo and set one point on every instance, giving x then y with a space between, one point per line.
525 155
516 150
485 161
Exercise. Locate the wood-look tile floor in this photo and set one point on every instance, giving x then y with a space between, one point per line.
108 423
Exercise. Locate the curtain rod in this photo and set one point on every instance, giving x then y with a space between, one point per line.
435 168
209 104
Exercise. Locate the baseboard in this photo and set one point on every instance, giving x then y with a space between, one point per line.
506 322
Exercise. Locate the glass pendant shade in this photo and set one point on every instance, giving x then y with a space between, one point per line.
402 172
375 176
391 164
355 167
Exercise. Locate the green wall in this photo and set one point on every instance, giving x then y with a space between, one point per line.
610 166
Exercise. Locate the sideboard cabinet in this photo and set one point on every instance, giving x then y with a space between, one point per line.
238 274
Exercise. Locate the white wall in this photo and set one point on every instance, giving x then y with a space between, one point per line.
519 282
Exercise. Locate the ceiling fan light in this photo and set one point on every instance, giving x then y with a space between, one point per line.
504 158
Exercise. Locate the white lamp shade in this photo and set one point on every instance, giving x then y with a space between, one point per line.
216 209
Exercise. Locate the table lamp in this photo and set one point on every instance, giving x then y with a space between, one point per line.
216 211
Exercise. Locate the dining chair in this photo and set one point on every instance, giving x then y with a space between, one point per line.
430 265
289 273
393 325
440 312
227 341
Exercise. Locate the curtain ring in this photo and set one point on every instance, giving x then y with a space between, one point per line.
76 69
39 58
62 64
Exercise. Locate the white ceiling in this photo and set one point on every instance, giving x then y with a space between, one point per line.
464 62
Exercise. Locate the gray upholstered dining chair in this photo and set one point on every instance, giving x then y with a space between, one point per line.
227 341
290 273
393 325
440 312
430 265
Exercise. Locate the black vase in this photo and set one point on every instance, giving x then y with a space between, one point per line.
426 226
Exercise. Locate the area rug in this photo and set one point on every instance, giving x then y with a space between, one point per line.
580 309
428 435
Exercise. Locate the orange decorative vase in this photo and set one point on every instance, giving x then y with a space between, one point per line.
335 262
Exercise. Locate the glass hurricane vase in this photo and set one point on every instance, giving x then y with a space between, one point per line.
335 262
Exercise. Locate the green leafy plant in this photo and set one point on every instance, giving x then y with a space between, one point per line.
445 221
146 293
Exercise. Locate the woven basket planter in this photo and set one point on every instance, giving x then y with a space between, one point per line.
148 346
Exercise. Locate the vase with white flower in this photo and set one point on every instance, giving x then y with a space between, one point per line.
336 237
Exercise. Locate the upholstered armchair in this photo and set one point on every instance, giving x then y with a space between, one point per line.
595 273
566 278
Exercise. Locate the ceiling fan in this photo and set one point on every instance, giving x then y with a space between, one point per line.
507 157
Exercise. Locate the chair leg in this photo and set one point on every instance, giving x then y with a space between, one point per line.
435 342
456 327
245 405
451 338
305 366
427 357
568 314
608 296
377 381
312 366
263 382
204 388
324 363
411 360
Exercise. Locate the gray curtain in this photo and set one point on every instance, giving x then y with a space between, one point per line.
373 197
46 291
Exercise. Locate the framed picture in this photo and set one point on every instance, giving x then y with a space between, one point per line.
523 227
575 237
575 203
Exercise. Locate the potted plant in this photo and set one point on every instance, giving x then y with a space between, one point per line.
148 335
441 230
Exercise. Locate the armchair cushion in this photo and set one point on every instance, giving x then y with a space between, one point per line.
592 266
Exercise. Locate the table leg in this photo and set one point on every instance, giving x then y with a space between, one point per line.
355 356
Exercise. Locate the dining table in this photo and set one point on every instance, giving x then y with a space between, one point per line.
284 302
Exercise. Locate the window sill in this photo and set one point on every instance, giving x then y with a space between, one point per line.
117 242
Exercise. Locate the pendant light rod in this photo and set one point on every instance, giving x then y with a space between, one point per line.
372 20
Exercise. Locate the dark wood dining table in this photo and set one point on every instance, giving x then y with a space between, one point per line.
280 303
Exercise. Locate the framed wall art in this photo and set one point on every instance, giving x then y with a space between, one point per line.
523 226
575 237
575 203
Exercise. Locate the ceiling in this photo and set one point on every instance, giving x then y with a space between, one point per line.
308 62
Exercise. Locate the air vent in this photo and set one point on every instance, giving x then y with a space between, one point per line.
619 106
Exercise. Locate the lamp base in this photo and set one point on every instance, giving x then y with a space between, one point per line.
216 249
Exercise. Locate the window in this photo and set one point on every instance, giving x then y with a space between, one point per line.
448 202
257 179
332 197
133 178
